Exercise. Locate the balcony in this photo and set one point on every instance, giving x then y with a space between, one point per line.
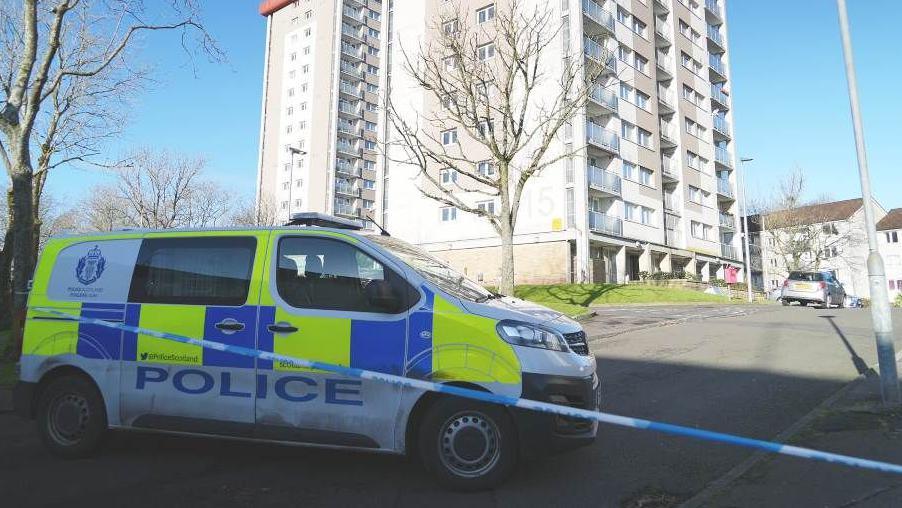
346 210
713 8
600 55
728 251
727 221
671 203
354 15
343 147
721 126
353 33
723 157
718 69
673 237
604 181
719 99
599 16
668 138
350 128
666 103
604 98
600 137
662 6
716 39
605 224
724 189
669 170
344 187
349 89
351 70
344 168
663 33
664 64
352 52
349 109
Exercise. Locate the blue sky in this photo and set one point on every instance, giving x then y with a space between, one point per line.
790 103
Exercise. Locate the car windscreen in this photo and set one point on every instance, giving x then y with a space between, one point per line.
806 276
433 269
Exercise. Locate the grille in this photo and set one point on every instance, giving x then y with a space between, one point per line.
577 342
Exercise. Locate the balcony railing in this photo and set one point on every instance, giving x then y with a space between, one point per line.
714 35
718 65
674 236
345 147
345 187
728 251
349 109
671 203
352 32
597 52
353 70
347 169
604 180
348 49
714 7
346 210
723 156
718 95
355 14
604 97
664 62
724 188
350 89
664 30
721 125
603 223
727 220
599 14
667 133
604 138
665 96
669 168
348 128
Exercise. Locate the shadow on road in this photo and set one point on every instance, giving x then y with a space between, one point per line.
860 365
623 465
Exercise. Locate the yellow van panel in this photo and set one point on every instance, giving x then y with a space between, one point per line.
186 320
324 339
53 336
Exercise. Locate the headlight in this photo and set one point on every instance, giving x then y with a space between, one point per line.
523 334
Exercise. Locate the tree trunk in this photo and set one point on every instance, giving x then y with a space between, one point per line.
23 251
6 261
506 287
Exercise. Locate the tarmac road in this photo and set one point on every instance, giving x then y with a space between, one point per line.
751 374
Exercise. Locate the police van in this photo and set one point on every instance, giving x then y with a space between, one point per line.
320 289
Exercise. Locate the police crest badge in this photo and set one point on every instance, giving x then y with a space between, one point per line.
90 266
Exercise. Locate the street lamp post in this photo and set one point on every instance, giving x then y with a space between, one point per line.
880 309
744 210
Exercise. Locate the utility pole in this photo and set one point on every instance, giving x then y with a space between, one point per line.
880 309
744 210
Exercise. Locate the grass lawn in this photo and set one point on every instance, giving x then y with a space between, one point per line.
7 367
569 298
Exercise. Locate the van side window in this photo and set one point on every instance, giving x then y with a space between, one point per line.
320 273
194 271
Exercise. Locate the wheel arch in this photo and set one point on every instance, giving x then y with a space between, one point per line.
58 372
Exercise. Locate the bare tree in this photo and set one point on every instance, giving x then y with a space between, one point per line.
60 60
510 97
801 234
157 190
262 213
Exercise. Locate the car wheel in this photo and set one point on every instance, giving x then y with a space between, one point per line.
468 445
784 302
71 417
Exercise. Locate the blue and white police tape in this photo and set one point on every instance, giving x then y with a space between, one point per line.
636 423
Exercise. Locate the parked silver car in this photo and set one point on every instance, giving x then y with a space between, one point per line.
820 287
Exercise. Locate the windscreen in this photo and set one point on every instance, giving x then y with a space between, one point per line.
806 276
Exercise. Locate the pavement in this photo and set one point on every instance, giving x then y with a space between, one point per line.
753 374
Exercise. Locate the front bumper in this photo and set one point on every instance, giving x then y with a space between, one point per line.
543 433
23 398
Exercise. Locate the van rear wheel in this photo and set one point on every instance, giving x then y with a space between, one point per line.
468 445
71 417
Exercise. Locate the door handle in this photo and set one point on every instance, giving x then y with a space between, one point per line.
282 327
229 326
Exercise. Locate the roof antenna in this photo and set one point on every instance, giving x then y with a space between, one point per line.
384 232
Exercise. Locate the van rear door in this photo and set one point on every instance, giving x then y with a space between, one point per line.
200 287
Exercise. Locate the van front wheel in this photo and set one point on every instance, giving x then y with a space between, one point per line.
71 417
468 445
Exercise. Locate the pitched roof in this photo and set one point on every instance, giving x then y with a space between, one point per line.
815 214
892 220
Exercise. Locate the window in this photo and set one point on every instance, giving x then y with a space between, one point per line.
688 92
372 69
449 137
642 99
485 128
291 92
372 32
485 14
447 176
373 14
645 176
449 213
627 130
303 106
684 28
641 63
289 111
369 165
622 15
485 168
695 195
372 51
307 32
371 88
623 54
692 160
193 271
639 27
648 216
369 144
630 211
293 56
308 14
451 27
320 273
629 170
307 50
892 237
450 63
369 184
486 51
644 137
626 92
370 126
486 206
305 69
